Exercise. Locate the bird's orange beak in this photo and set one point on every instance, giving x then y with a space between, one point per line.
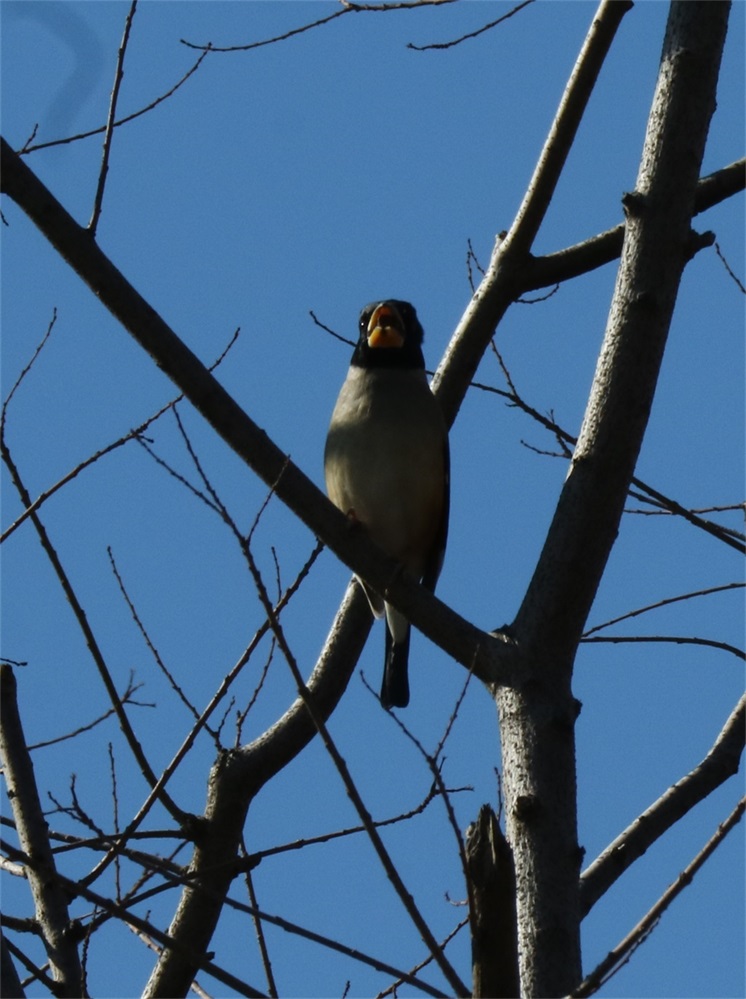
385 327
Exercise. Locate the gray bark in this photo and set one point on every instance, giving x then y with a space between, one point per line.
537 715
50 901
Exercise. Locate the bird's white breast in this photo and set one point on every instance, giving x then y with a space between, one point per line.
385 459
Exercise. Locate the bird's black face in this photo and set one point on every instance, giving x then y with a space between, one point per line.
390 336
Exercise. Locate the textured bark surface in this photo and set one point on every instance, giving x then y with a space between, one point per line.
494 934
537 715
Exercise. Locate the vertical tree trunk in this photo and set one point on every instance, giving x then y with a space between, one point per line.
537 717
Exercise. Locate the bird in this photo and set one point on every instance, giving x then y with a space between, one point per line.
387 464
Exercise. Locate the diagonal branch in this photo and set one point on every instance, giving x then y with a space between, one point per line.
719 764
491 658
503 281
622 952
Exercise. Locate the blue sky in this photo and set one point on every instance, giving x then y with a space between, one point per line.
318 174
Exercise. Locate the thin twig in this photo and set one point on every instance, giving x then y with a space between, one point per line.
77 888
16 385
674 639
91 641
30 147
354 795
348 7
328 329
127 698
260 934
651 495
299 844
431 759
191 736
728 268
663 603
118 76
471 34
147 639
136 434
624 950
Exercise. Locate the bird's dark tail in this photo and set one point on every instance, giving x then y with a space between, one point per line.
395 687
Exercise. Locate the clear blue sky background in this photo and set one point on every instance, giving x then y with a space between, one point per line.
320 173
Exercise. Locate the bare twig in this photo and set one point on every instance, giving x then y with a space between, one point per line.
470 34
299 844
201 722
392 989
728 268
126 698
720 763
348 7
623 951
435 762
147 639
209 47
260 935
118 76
328 329
664 603
651 495
709 643
31 147
85 627
136 434
16 385
289 927
77 888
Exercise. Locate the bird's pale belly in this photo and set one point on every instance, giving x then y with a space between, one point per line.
391 499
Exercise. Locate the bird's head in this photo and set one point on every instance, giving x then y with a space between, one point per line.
390 336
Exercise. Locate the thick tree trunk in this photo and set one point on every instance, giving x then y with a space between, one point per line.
537 716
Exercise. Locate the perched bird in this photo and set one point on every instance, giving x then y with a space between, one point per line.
386 464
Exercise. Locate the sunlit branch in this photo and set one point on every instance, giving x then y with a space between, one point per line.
720 763
601 249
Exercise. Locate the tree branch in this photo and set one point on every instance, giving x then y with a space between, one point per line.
720 763
50 901
541 272
98 200
536 718
621 953
503 281
491 658
656 249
